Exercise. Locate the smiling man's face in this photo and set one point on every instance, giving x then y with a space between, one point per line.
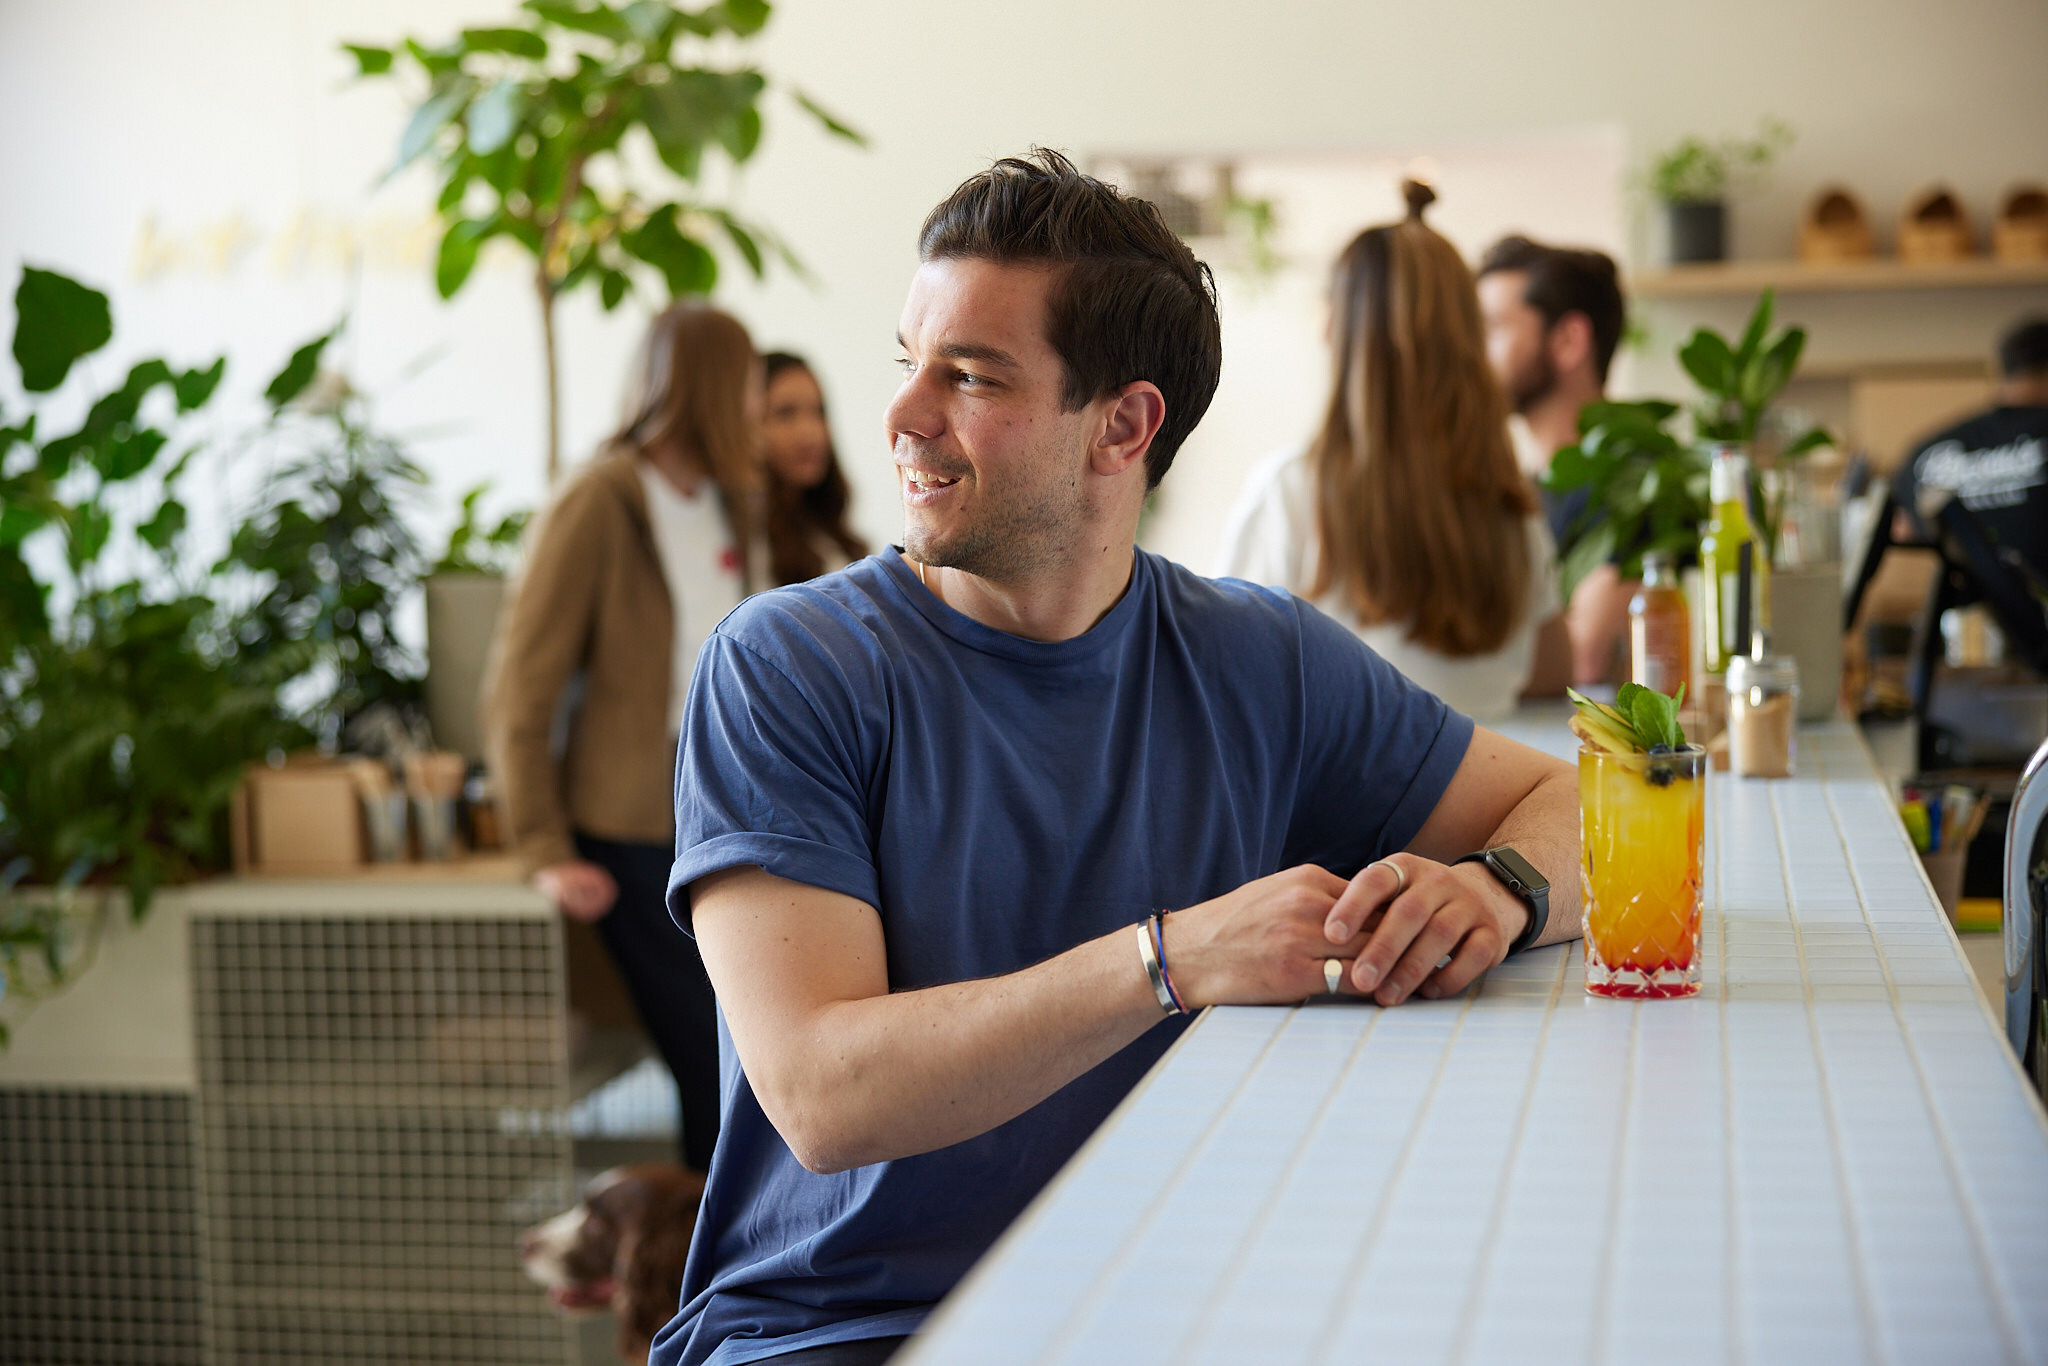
992 472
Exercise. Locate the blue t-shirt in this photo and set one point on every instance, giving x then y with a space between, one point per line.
999 800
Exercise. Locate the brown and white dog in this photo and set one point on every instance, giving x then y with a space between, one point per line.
621 1247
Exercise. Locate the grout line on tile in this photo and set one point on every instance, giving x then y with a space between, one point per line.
1461 1345
1126 1249
1326 1338
1192 1339
1859 1251
1987 1266
1603 1296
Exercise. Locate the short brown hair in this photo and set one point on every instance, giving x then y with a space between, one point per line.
1131 301
1565 280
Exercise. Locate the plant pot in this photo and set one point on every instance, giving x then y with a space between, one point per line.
1806 623
1699 231
462 617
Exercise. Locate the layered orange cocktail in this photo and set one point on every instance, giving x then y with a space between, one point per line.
1642 828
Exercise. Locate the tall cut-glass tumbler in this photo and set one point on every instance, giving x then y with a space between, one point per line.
1642 826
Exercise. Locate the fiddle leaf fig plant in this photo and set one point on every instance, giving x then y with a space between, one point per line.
530 128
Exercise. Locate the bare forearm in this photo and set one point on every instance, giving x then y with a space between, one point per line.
1544 829
889 1076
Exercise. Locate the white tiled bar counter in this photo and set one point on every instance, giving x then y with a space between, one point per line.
1828 1155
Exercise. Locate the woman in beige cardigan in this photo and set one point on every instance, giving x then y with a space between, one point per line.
640 555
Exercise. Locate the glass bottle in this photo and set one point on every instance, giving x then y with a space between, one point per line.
1659 628
1728 530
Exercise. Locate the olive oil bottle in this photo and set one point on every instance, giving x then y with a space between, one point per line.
1728 530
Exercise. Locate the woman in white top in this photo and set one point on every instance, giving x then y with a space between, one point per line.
638 557
1406 518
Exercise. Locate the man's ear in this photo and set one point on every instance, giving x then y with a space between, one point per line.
1571 343
1131 419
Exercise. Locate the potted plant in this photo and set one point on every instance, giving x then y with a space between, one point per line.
138 677
1739 383
464 592
1649 483
126 712
1693 178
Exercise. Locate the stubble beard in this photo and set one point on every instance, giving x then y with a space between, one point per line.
1533 383
1010 536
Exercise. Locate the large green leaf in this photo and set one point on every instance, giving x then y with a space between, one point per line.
743 17
516 42
56 321
1708 360
743 241
298 372
19 520
494 118
370 61
194 387
1759 324
685 263
598 20
833 125
652 23
741 133
129 455
162 529
87 527
428 120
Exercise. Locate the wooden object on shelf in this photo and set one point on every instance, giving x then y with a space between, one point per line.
2020 232
1731 279
1934 226
303 818
1836 229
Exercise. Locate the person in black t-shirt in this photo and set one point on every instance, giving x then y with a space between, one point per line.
1996 461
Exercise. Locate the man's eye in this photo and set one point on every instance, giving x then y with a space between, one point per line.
906 364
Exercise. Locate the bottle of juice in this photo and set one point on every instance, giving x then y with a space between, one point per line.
1728 530
1659 628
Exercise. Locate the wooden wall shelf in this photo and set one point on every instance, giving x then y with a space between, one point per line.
1731 278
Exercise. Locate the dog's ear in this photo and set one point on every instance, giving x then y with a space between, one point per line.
649 1270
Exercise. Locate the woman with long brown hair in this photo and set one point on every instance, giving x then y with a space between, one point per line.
1406 517
808 497
636 560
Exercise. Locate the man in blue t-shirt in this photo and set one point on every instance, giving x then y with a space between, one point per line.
927 807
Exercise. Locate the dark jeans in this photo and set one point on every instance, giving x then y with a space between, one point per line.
666 979
865 1352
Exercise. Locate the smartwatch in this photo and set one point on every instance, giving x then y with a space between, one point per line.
1519 876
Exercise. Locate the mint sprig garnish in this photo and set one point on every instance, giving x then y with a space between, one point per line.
1641 719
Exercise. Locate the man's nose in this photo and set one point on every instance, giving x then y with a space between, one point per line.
912 411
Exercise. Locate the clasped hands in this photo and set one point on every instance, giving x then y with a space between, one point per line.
1404 926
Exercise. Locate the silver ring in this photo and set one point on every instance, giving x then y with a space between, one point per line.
1333 974
1402 886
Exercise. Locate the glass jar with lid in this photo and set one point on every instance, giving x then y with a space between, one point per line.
1763 704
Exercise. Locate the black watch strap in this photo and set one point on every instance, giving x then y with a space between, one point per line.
1519 876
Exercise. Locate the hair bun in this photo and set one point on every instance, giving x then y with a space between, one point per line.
1418 195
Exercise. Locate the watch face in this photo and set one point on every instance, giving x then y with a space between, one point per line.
1523 871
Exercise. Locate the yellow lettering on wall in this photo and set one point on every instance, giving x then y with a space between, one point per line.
305 241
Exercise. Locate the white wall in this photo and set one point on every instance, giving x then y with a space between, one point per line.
115 110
